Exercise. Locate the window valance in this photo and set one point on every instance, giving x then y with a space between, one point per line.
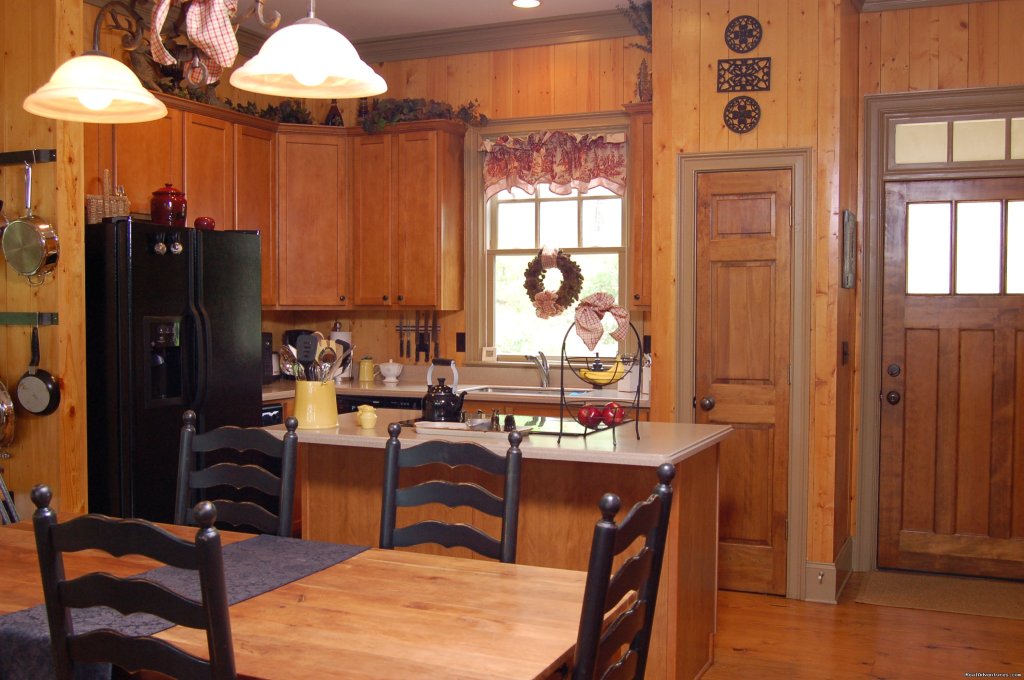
565 160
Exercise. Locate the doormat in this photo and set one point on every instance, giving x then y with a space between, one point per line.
959 595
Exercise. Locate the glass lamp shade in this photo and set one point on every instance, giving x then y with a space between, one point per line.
308 59
95 88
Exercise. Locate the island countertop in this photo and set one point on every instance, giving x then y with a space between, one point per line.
658 443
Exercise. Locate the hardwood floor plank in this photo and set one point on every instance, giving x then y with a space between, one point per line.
771 637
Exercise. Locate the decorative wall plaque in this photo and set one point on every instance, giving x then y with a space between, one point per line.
745 75
742 114
743 33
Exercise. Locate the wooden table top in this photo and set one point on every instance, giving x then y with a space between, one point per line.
380 614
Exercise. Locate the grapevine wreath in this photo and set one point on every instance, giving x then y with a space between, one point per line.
546 302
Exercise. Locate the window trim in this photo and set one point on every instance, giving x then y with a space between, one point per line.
475 218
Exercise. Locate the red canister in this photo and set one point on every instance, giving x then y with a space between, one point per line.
168 206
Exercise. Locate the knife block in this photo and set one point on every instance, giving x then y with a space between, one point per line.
315 405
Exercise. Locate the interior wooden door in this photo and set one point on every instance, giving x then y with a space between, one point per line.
951 464
743 317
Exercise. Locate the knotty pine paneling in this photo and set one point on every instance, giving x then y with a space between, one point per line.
50 448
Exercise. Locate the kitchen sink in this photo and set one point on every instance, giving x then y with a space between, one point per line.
530 391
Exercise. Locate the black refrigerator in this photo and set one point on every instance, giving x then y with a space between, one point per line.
172 323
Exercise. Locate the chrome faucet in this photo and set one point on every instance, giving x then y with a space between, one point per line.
541 362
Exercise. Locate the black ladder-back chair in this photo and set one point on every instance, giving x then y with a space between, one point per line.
192 479
620 651
121 537
453 495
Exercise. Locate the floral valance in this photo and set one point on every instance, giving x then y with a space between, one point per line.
565 160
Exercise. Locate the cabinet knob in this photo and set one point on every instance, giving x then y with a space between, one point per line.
400 298
385 298
636 296
342 298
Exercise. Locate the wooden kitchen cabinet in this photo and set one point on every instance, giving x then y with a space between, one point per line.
255 198
641 168
313 219
145 156
209 169
407 222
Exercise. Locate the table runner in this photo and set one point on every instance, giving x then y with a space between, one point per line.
251 567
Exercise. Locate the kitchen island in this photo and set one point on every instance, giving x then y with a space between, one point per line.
341 476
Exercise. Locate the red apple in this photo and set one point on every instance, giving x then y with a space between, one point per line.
589 416
612 414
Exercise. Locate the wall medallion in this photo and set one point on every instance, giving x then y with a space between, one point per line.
745 75
743 33
742 114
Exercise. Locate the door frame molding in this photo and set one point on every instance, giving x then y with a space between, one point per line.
799 162
881 111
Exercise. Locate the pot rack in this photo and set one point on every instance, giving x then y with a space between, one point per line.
28 318
29 156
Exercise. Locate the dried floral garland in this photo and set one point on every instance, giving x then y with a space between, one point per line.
550 303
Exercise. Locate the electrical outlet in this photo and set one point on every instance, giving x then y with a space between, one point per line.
460 342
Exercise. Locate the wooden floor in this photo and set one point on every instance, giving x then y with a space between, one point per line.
771 637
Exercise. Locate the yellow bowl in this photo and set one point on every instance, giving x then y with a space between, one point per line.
604 376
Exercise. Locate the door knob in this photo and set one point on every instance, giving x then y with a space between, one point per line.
893 397
707 403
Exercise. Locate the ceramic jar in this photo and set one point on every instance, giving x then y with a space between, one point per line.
168 206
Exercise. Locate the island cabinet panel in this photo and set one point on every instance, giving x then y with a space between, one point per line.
408 216
557 513
313 218
256 198
372 217
209 165
147 156
640 180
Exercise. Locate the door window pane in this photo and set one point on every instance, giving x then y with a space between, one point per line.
515 227
979 140
1015 247
978 247
921 143
929 230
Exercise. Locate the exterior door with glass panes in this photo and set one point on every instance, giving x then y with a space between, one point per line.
590 228
951 488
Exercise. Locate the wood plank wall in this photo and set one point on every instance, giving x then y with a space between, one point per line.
824 59
49 448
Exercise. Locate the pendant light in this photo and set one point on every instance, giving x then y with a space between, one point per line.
95 88
308 59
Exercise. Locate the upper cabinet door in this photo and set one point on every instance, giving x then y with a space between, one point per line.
256 198
418 219
373 220
209 160
312 192
147 156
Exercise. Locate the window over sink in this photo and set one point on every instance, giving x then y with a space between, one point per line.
507 228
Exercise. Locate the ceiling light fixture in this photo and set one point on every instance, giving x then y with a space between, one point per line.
95 88
308 59
526 4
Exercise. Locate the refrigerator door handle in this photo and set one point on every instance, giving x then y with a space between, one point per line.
205 346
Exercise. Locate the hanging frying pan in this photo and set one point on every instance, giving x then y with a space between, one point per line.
30 243
6 417
38 392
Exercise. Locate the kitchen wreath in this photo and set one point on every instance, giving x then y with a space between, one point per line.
552 303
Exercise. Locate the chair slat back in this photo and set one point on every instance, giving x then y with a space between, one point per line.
452 494
617 649
133 594
197 480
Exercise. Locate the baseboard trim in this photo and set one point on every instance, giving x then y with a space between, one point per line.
824 581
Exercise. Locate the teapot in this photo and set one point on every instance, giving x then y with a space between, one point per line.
440 402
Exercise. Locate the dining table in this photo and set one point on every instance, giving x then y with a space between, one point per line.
375 614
